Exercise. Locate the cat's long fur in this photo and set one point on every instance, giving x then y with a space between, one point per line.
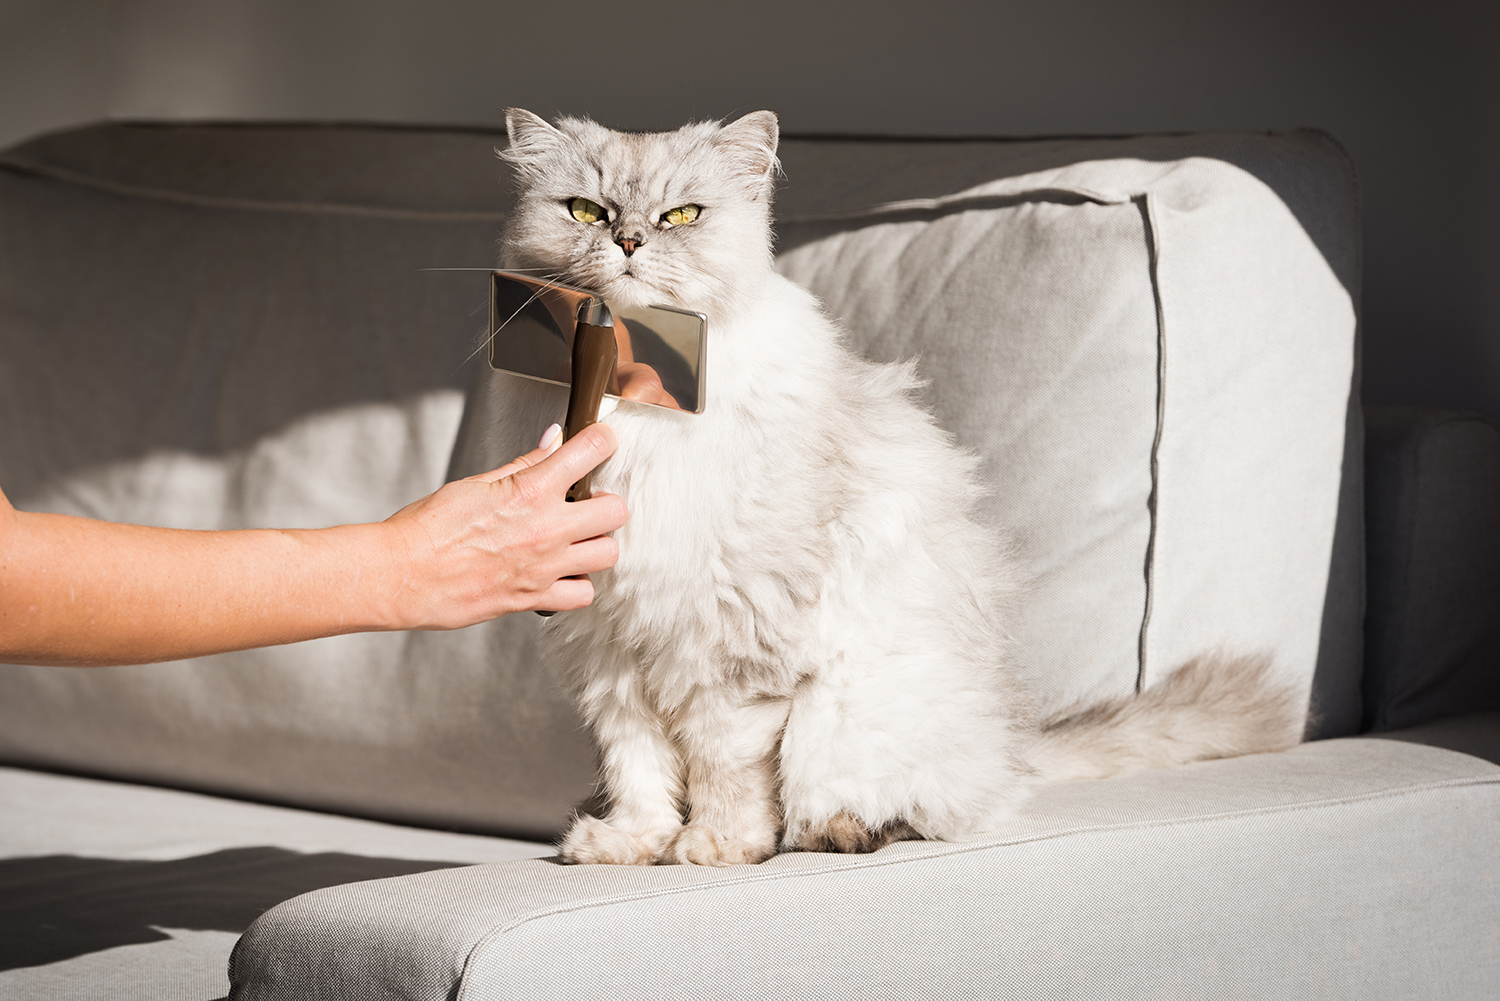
803 642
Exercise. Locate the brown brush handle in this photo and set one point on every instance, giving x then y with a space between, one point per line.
594 354
593 368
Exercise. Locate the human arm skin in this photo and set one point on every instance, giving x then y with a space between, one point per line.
74 591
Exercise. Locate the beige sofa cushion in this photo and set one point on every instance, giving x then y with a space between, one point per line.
1154 360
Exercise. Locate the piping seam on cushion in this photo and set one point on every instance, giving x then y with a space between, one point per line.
960 201
22 166
1153 257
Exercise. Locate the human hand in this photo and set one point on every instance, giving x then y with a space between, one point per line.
507 541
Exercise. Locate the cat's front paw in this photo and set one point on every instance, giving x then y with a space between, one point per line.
700 845
846 833
591 840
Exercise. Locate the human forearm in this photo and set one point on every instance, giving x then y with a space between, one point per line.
133 594
82 592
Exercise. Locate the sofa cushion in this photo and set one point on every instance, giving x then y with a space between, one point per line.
1432 630
1252 877
224 326
1153 359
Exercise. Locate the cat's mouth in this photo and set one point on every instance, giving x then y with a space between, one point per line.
627 282
630 288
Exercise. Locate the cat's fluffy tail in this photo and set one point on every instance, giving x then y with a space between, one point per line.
1213 706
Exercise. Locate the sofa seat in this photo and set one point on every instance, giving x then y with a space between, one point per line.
121 891
1369 860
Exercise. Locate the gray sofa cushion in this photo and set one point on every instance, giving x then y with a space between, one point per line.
1432 629
830 182
1152 360
1349 868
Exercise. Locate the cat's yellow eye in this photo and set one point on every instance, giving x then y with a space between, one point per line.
585 211
681 215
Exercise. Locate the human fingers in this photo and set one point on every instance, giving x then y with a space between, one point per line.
599 515
564 595
566 466
551 439
589 556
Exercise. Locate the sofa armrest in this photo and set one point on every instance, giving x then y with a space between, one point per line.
1247 877
1432 523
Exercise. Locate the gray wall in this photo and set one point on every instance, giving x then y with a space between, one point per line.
1413 91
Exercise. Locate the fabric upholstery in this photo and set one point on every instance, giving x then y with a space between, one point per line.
1433 508
1251 877
121 891
1310 176
1477 734
222 327
50 814
227 326
1153 359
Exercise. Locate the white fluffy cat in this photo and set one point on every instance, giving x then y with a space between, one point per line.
803 643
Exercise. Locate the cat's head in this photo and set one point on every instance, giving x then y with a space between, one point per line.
678 218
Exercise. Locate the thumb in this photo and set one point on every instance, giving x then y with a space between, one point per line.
551 439
583 452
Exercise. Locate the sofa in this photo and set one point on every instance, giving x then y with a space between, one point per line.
1151 344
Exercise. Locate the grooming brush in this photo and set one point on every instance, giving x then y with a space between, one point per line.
595 352
569 337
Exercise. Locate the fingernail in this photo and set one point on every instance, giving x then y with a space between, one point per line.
549 436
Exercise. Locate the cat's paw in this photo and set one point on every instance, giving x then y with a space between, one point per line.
699 845
846 833
591 840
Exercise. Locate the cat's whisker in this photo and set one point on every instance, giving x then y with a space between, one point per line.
483 269
486 342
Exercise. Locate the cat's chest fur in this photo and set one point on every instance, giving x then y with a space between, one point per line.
734 512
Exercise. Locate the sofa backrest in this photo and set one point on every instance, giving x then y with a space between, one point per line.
219 327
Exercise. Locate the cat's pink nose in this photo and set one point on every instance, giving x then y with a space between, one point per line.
628 245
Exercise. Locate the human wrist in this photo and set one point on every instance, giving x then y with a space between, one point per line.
370 562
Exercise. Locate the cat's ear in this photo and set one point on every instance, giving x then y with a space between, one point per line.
530 136
753 140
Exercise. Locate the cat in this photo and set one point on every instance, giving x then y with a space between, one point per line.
803 644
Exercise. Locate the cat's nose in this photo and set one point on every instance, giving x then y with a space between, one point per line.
629 243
